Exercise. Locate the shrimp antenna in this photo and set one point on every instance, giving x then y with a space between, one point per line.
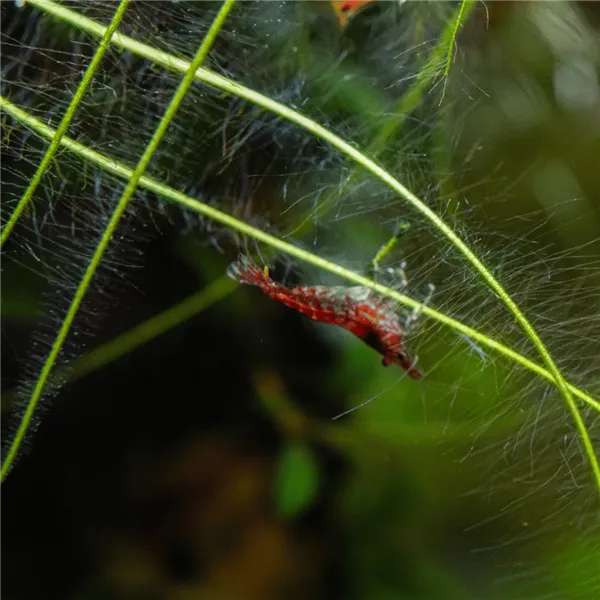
387 389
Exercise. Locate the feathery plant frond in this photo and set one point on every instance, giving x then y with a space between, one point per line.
308 257
463 14
392 125
110 229
66 120
193 70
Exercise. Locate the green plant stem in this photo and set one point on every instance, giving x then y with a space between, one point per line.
116 168
150 329
465 8
130 188
137 336
61 130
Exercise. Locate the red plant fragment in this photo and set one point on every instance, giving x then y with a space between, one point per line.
347 8
353 308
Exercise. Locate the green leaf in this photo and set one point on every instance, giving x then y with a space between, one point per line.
296 480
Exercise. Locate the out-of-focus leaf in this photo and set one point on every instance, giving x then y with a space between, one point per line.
296 480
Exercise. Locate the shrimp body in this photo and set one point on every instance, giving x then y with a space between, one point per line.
355 309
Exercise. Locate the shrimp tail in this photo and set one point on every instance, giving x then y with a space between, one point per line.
399 358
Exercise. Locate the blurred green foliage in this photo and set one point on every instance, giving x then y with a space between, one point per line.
296 479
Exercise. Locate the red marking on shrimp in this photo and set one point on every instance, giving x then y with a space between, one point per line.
356 309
